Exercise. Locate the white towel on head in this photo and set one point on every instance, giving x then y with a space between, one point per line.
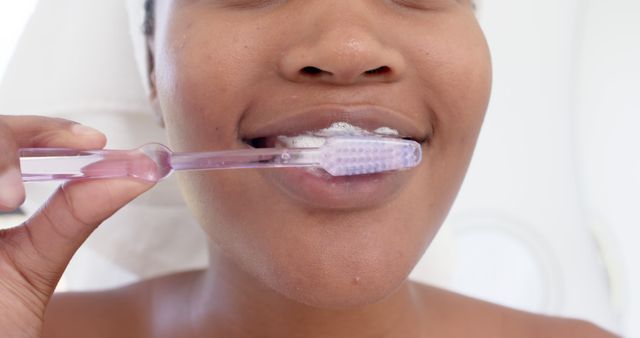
136 14
88 74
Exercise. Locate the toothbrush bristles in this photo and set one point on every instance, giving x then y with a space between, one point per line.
349 156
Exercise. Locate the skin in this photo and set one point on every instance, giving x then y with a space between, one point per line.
208 94
280 267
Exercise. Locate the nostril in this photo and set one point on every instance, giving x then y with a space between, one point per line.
310 70
378 71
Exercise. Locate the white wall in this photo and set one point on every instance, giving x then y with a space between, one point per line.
607 94
13 17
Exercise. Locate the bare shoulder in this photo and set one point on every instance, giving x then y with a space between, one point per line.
112 313
473 317
124 312
562 327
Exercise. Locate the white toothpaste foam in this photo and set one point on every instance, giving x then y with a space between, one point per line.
315 139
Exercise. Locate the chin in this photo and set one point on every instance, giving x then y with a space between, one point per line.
355 271
339 291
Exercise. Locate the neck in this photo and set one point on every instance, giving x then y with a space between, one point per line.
229 301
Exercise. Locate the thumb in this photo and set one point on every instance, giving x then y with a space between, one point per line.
43 247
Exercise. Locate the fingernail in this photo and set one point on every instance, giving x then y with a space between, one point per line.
11 188
80 129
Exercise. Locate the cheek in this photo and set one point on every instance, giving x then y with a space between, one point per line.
454 69
204 82
457 84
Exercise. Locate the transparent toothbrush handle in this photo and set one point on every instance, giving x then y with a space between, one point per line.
151 162
48 164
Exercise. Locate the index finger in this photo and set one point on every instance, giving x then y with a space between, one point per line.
47 132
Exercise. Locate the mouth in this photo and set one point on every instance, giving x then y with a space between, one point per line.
313 139
315 187
335 121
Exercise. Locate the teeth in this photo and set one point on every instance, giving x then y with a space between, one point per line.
386 131
301 141
319 172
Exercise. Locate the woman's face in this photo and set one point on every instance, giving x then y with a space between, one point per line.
229 73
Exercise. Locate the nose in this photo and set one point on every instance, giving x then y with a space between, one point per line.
344 51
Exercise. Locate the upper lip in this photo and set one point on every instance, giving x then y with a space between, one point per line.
316 118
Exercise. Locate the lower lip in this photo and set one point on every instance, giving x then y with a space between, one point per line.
316 188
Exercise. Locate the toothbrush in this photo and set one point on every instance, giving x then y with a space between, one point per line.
339 156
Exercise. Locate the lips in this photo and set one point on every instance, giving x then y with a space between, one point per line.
367 118
314 187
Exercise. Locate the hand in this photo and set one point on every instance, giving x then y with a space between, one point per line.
34 255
